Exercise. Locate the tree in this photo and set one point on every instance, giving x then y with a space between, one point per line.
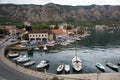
69 27
41 27
56 27
25 37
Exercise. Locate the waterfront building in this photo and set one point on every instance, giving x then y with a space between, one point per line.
59 33
101 27
39 35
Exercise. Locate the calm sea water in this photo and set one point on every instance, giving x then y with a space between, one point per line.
100 46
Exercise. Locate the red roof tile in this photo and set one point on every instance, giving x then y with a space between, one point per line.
58 31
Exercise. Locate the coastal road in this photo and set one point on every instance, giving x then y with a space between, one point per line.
8 73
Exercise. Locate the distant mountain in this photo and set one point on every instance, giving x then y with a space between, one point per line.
55 12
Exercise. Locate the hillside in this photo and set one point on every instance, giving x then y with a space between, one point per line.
55 12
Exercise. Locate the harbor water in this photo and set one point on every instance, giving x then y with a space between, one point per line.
101 46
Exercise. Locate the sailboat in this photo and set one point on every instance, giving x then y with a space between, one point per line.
76 62
43 63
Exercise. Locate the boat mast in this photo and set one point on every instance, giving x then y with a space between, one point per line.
75 47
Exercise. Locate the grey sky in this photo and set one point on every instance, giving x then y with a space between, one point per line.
64 2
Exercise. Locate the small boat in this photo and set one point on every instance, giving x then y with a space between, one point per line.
77 64
45 48
60 68
17 57
64 43
67 68
20 56
42 64
37 49
50 44
100 66
112 66
78 39
23 59
29 63
13 55
70 40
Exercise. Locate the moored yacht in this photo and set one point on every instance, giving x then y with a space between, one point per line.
29 63
45 48
23 59
13 55
76 63
42 64
67 68
100 66
60 68
36 49
20 56
112 66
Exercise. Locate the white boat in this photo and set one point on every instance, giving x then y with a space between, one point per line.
67 68
112 66
70 40
78 39
20 56
50 44
42 64
64 43
17 57
13 55
29 63
60 68
76 63
100 66
45 48
37 49
23 59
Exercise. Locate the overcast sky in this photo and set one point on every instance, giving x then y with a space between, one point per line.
63 2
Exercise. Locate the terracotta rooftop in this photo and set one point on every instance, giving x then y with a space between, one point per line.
58 31
72 30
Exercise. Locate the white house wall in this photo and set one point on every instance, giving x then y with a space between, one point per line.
41 36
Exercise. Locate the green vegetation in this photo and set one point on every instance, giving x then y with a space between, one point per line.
20 25
45 25
69 27
25 37
41 27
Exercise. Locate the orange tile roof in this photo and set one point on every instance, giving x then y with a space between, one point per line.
58 31
72 30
